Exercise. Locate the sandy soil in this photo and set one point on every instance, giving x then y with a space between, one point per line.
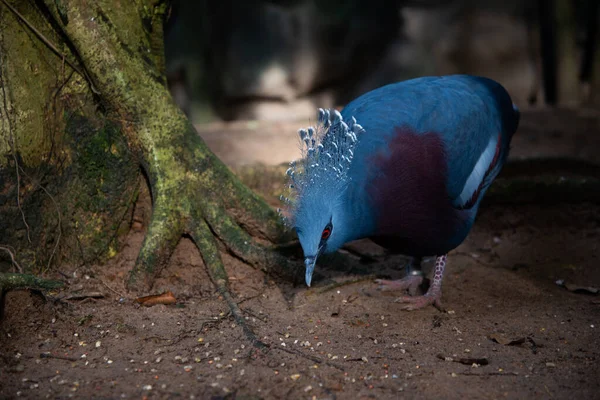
509 331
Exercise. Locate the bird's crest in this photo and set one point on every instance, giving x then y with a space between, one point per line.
327 152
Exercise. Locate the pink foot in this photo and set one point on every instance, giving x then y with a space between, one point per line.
410 283
433 295
417 302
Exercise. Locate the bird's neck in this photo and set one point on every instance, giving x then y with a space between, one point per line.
357 217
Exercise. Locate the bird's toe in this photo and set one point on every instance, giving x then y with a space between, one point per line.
414 303
410 283
385 285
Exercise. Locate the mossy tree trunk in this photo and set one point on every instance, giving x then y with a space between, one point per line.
112 120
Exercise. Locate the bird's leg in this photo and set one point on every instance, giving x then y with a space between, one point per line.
433 295
412 281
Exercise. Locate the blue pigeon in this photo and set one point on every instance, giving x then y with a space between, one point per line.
405 165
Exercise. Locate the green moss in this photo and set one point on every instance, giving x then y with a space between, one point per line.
36 81
103 184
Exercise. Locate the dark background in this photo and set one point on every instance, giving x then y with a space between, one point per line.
280 59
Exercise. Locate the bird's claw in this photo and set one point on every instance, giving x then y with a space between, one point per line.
417 302
410 283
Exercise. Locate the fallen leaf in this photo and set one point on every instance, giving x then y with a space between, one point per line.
499 338
336 386
163 298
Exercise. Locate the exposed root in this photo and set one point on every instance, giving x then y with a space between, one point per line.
164 232
243 246
312 358
58 213
207 223
206 243
264 219
11 253
10 281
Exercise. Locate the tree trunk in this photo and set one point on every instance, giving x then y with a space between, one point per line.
85 117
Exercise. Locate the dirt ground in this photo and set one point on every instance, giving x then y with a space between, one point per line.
509 330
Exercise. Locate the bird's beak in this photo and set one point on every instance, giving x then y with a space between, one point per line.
309 262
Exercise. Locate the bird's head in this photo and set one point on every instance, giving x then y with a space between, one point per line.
319 224
318 183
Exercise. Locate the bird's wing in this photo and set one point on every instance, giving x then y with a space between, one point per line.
477 141
482 173
473 116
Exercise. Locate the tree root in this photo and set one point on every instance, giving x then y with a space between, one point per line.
163 234
310 357
209 251
194 213
10 281
193 192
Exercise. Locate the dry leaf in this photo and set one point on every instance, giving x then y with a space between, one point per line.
499 338
163 298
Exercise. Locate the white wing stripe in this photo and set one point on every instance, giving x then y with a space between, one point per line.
478 174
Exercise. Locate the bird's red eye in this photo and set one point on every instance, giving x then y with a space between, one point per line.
326 233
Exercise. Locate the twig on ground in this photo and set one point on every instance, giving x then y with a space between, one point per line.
113 290
83 296
309 357
58 357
